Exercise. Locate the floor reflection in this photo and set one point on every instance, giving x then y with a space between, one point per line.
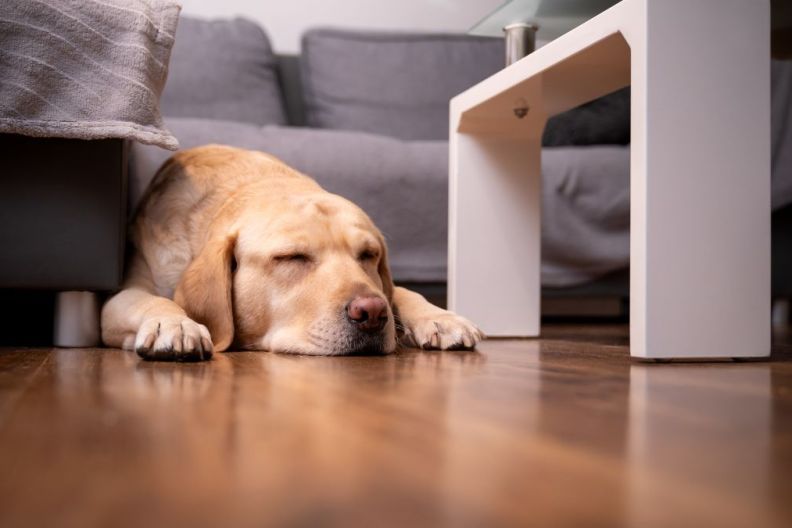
247 428
699 444
546 432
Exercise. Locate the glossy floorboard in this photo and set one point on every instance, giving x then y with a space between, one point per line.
560 431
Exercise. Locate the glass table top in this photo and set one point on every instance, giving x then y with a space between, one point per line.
554 17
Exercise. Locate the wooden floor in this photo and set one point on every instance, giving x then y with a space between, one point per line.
562 431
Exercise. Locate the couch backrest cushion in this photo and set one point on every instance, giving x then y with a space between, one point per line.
391 83
223 69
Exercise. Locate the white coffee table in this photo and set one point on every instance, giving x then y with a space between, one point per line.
699 184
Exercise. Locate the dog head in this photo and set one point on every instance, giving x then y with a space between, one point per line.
306 274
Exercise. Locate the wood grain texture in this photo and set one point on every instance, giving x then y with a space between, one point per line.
559 431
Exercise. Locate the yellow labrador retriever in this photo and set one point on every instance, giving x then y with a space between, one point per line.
234 248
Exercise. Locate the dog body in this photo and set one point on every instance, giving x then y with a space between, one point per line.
233 247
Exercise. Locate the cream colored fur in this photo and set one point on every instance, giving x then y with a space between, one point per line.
232 248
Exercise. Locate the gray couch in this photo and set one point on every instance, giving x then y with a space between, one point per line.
366 114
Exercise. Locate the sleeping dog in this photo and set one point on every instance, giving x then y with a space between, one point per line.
232 247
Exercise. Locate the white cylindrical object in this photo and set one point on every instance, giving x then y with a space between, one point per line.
76 319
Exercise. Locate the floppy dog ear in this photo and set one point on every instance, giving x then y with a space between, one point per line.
384 272
204 290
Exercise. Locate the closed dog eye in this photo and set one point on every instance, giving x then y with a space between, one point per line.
368 255
292 258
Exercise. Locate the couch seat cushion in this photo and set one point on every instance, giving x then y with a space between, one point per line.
403 186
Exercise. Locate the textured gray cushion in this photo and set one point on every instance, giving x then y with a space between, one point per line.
85 70
603 121
223 69
390 83
403 186
585 213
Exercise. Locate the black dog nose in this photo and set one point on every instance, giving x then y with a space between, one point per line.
368 313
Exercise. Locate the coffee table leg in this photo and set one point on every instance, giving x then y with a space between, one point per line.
495 232
700 179
700 186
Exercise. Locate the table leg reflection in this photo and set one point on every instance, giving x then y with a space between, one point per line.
698 445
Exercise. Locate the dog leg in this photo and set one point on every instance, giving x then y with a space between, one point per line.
426 326
155 327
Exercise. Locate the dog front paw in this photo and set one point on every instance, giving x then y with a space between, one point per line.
173 339
441 330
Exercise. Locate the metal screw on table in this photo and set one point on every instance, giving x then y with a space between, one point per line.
520 40
521 108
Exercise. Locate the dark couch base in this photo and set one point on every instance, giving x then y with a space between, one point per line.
27 317
62 213
782 252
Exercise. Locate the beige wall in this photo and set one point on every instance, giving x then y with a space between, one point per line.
285 20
